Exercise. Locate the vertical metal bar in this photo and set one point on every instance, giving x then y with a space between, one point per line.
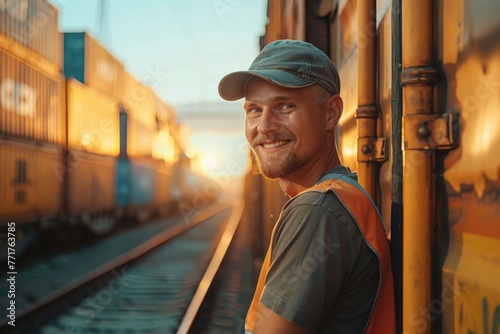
418 79
317 27
397 161
367 112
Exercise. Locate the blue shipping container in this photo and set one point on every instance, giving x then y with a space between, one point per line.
135 183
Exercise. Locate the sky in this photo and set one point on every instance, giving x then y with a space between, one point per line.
181 48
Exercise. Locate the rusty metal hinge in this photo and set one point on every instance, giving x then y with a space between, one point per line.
431 131
372 149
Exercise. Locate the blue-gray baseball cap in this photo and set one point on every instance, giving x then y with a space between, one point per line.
286 63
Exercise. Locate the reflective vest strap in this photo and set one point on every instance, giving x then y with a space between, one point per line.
253 311
370 224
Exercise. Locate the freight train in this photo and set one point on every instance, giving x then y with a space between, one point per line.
420 84
82 142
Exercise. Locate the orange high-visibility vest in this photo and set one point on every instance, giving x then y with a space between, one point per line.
359 204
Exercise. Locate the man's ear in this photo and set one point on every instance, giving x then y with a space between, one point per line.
335 108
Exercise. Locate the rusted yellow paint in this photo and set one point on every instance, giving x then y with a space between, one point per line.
416 242
477 294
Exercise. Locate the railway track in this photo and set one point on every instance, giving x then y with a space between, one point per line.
155 287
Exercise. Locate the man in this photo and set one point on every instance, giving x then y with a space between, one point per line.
328 266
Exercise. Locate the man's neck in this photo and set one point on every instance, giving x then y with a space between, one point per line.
297 182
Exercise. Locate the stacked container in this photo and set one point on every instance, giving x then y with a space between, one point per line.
90 63
139 101
32 116
165 151
31 182
135 174
34 25
93 120
31 102
164 144
93 93
73 123
163 187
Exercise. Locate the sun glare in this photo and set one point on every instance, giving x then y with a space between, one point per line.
208 163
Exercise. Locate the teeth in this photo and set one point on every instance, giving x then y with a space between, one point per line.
272 145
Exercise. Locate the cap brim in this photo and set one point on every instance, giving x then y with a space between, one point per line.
232 86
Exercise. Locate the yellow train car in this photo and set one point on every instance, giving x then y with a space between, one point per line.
420 84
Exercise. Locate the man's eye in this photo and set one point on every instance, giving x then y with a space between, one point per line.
287 106
252 110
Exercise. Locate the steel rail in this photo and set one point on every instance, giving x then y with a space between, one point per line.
35 309
212 268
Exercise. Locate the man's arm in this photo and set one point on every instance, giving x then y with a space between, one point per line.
270 322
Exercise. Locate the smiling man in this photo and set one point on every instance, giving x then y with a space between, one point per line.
328 266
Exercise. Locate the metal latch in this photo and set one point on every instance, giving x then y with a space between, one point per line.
431 131
372 149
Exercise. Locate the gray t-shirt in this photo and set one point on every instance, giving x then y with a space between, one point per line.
323 277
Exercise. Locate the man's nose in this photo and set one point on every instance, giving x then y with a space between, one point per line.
268 121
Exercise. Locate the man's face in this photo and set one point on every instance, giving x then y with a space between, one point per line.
286 128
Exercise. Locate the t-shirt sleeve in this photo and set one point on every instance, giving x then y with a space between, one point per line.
313 253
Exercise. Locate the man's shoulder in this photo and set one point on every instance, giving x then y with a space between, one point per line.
317 204
314 197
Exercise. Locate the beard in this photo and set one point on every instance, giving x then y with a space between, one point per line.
276 167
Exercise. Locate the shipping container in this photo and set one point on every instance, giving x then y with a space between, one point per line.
91 183
139 100
122 182
166 141
31 102
171 152
135 182
34 24
31 182
160 144
135 188
162 183
142 179
165 113
90 63
139 138
93 120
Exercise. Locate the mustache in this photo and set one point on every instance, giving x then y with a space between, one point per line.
261 139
